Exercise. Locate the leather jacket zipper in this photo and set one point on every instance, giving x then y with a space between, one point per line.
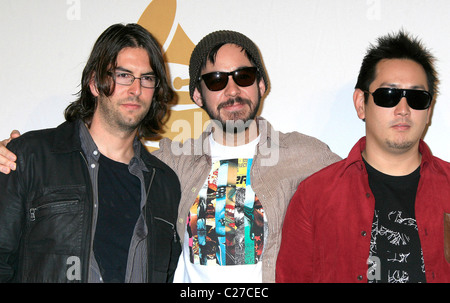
32 214
172 225
54 205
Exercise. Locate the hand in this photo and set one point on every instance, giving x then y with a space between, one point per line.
7 158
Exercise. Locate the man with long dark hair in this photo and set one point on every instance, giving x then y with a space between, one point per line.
88 202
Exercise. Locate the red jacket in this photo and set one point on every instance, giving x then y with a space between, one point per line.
327 229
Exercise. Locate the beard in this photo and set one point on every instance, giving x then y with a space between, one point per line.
401 142
399 146
116 119
237 121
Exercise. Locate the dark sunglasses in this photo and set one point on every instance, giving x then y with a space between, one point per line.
216 81
390 97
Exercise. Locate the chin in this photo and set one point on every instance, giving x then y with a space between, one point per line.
400 145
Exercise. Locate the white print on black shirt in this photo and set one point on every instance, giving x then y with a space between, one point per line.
391 244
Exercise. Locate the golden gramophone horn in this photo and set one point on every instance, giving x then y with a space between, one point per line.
186 120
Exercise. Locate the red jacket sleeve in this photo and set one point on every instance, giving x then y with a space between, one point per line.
295 258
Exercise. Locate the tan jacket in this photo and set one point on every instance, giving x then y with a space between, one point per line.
281 162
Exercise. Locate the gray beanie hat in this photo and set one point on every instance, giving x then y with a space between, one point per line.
203 48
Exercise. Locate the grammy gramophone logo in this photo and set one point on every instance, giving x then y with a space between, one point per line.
186 119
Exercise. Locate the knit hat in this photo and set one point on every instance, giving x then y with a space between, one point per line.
203 48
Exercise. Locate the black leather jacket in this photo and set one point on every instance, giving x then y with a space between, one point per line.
46 210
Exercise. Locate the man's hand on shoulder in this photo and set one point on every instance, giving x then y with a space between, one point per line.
7 158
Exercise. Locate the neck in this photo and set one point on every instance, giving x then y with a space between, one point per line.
393 163
114 144
241 137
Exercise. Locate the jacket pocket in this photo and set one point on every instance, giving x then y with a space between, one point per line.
171 225
56 220
164 239
447 236
55 230
53 208
55 227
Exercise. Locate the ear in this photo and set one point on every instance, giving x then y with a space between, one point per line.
360 104
429 109
93 87
197 96
428 115
262 87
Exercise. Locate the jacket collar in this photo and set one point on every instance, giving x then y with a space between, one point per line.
355 155
266 130
67 139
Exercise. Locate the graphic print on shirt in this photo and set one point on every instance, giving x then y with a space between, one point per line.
390 243
226 221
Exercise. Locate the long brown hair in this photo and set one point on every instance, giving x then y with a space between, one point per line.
103 59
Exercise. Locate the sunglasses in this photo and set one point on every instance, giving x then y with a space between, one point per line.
390 97
243 77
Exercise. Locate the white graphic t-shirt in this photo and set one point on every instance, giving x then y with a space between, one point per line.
226 226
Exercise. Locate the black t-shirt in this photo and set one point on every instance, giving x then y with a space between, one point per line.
119 195
395 249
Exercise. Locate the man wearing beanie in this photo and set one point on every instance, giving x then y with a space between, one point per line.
238 177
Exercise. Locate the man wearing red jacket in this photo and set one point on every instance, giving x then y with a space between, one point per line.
382 214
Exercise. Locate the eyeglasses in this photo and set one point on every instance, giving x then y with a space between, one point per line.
390 97
147 81
243 77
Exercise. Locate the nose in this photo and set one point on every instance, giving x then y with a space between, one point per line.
232 89
402 108
135 88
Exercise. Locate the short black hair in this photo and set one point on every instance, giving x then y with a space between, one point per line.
397 46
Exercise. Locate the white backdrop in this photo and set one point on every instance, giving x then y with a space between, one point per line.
312 50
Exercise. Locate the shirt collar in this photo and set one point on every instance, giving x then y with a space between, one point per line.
90 149
355 155
88 145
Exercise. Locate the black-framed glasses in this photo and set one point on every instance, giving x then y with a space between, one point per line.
123 78
390 97
243 77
